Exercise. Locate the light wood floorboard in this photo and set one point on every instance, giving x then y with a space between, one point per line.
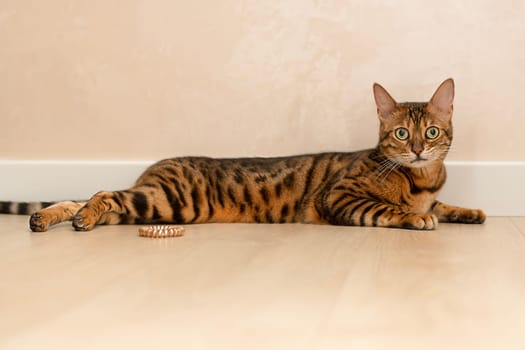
263 287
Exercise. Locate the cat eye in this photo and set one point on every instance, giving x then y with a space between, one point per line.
401 134
432 132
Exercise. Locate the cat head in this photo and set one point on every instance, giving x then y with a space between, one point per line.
415 134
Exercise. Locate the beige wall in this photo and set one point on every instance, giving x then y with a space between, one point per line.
146 79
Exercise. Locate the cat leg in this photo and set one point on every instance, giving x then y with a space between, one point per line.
103 207
54 214
449 213
133 206
352 211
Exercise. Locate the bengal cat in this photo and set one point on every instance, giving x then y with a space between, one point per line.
392 185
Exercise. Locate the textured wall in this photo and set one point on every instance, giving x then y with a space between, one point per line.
146 79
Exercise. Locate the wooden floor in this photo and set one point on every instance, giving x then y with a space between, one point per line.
263 287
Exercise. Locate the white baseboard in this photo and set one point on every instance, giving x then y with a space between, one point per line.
496 187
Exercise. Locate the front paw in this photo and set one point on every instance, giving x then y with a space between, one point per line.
467 216
420 222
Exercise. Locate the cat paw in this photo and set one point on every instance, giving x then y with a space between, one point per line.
420 222
83 221
38 222
477 217
467 216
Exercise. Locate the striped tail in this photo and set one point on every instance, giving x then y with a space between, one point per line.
22 208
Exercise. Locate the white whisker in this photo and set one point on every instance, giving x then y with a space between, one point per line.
385 169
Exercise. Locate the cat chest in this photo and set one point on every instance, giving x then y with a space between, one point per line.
418 196
417 192
408 196
422 202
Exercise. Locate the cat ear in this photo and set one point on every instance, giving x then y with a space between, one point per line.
384 102
443 98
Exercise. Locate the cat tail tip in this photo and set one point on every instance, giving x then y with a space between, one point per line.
22 208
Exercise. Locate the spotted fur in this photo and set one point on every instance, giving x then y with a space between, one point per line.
392 185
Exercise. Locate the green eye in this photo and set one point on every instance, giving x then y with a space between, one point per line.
432 132
401 133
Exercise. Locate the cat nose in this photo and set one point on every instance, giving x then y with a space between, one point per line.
417 148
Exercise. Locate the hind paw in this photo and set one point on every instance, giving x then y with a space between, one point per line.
38 222
83 221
